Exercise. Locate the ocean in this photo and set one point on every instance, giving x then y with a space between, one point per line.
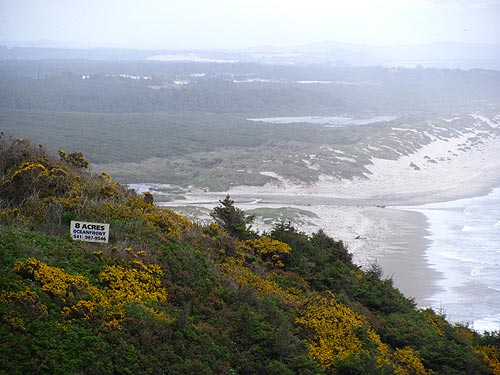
465 250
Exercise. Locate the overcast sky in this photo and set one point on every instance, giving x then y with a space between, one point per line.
246 23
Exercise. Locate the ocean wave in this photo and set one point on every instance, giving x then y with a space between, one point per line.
462 258
139 188
479 271
489 323
494 288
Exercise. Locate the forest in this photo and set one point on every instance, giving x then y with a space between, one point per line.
134 86
169 296
186 123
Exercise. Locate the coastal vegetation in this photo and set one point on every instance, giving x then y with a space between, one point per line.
167 295
185 123
145 87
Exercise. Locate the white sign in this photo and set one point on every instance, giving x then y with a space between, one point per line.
89 232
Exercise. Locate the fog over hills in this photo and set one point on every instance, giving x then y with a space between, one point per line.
441 55
437 55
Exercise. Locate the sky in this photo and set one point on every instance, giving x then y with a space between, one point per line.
238 24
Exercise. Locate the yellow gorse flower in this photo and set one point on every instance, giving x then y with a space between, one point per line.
133 283
491 355
332 326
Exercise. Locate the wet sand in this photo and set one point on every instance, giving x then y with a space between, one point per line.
403 258
464 164
394 239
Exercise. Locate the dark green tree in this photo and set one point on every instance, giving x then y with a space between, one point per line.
233 220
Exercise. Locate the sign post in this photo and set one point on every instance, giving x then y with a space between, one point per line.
89 232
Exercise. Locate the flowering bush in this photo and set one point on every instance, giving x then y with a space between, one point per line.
491 355
242 302
271 252
332 330
119 285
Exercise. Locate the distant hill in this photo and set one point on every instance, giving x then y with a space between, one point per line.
166 295
434 55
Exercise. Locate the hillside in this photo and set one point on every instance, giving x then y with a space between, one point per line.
167 295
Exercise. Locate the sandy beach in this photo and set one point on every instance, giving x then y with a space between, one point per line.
395 240
463 163
363 212
402 256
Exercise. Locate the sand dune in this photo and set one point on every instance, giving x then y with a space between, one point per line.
453 162
445 159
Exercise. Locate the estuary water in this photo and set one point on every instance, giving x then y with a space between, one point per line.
465 250
328 121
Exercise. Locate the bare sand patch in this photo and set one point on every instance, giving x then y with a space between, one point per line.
453 163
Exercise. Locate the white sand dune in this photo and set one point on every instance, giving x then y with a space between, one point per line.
451 158
465 162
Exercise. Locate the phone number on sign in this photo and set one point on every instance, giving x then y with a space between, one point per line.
89 238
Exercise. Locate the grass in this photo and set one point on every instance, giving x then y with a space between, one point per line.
200 149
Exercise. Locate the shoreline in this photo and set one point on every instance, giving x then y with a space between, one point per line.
464 243
396 233
396 237
370 215
404 259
